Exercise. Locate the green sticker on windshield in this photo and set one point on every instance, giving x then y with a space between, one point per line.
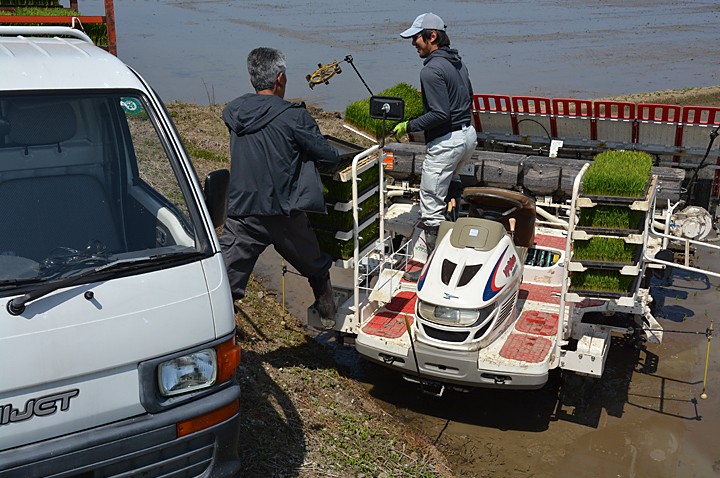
131 106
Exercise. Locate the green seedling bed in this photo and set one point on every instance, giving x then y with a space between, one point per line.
614 200
339 249
343 220
358 112
337 190
611 220
603 252
618 175
603 283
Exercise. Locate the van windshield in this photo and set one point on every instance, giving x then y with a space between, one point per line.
87 179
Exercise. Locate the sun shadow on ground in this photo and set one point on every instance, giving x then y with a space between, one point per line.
675 286
272 438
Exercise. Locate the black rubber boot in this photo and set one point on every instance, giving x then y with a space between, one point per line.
431 234
324 301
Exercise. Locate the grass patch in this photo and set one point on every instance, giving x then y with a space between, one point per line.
613 217
31 3
605 249
358 113
360 449
601 280
618 173
302 415
96 31
200 153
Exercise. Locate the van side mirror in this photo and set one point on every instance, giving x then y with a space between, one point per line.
216 190
387 107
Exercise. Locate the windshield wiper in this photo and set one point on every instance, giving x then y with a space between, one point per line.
16 306
16 282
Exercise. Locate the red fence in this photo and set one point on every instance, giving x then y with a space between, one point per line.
668 130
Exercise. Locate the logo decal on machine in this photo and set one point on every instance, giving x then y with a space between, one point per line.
491 288
37 407
510 266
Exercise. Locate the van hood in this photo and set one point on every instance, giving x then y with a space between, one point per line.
82 345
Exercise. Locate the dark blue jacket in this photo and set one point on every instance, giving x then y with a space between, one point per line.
446 94
274 145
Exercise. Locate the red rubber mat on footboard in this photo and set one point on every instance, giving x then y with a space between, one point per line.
388 324
526 348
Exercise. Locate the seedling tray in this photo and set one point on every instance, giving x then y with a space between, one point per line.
611 221
337 180
342 219
607 251
620 268
617 200
340 244
631 289
634 203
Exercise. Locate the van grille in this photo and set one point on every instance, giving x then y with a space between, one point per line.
179 460
152 453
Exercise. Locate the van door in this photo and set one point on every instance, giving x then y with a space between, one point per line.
101 259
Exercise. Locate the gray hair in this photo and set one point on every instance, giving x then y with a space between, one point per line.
263 65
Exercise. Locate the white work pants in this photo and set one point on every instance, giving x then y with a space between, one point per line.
445 156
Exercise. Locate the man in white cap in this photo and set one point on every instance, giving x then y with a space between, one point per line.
450 137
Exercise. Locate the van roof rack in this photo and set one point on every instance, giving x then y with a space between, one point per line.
18 30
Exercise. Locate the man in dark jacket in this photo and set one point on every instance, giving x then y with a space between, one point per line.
274 145
446 120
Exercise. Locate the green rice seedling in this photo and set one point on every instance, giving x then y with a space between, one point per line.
613 217
600 280
605 249
358 112
343 220
344 249
341 191
618 173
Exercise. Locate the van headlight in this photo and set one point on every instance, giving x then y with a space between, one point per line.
187 373
453 316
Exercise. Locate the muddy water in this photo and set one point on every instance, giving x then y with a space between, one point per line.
645 417
195 50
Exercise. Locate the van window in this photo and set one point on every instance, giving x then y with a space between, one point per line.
88 179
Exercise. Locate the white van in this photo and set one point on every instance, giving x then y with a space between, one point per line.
117 331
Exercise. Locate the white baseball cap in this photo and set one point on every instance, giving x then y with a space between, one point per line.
426 21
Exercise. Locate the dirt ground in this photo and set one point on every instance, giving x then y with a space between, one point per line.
307 415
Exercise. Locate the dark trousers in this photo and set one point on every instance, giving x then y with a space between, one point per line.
243 239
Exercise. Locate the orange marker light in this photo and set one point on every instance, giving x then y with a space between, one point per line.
228 357
207 420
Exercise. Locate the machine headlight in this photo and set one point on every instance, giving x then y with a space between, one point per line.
452 316
187 373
